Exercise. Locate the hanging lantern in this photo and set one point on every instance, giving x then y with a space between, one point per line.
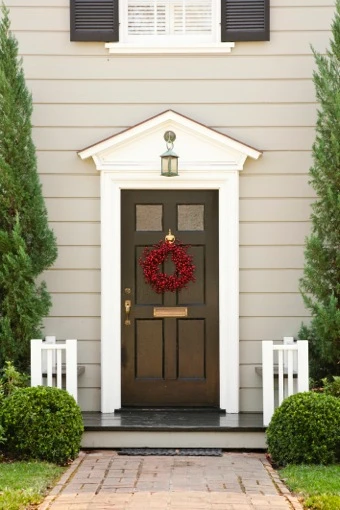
169 160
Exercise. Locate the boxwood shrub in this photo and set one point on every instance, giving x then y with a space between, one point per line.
305 429
42 423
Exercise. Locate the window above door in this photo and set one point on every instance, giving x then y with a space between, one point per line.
156 25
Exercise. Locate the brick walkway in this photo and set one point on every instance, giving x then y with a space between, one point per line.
236 481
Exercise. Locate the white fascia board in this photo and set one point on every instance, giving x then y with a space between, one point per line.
125 136
151 166
213 135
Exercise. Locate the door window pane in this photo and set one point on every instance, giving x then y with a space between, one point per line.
149 218
190 217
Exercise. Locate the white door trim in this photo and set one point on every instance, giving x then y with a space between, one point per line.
226 182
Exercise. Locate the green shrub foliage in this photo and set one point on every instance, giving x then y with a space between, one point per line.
11 379
320 285
42 423
305 429
332 387
27 244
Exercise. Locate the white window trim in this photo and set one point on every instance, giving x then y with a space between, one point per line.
170 44
126 49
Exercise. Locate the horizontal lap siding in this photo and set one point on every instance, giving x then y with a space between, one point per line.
181 91
239 115
261 93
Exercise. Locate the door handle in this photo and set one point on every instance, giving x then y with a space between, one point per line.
127 305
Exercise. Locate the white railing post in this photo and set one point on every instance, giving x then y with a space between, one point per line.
292 361
71 368
267 381
54 364
36 365
49 340
303 364
289 340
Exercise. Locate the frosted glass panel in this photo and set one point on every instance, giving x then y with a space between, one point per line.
190 217
149 217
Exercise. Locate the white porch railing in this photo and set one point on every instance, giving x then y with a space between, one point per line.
50 361
287 362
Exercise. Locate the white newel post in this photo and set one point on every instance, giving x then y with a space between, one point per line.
71 368
36 363
268 380
303 365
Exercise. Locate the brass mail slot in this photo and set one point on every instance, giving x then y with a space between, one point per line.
170 311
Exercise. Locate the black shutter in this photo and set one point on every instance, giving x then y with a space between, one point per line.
94 20
245 20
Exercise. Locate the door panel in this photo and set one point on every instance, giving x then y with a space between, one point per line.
170 361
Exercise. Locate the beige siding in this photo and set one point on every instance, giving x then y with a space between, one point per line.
271 257
77 234
240 115
78 257
83 280
251 398
287 209
269 281
271 305
76 305
83 328
70 67
261 94
270 328
73 209
70 186
89 352
181 91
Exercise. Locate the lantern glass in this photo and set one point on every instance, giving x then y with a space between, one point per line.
169 164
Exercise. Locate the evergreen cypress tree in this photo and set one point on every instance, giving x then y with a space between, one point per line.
320 285
27 245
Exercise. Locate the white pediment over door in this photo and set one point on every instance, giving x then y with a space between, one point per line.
200 149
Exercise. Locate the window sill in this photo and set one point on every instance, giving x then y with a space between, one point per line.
211 49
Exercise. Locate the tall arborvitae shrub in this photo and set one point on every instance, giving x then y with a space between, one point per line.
27 245
320 285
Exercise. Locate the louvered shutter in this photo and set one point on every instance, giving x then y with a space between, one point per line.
94 20
245 20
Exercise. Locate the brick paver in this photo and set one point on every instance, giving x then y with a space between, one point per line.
236 481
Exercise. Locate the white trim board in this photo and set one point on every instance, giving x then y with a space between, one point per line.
208 160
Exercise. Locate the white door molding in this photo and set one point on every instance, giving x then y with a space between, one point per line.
111 291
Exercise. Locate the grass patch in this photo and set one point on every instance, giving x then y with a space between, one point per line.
319 485
26 483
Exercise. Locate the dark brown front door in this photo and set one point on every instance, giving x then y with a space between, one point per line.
170 361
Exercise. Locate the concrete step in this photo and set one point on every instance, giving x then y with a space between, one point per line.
174 429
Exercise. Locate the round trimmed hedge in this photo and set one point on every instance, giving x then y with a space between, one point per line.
305 429
42 423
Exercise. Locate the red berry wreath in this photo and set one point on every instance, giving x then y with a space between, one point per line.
162 282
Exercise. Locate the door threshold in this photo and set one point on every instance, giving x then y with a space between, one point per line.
136 409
